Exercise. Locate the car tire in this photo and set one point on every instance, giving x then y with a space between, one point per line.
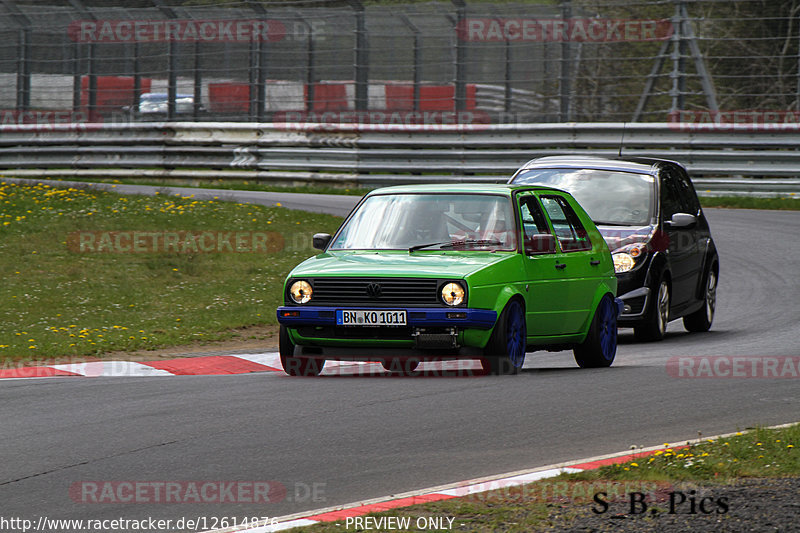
296 366
505 351
600 346
400 365
655 326
702 319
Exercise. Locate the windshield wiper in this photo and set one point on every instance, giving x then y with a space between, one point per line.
453 244
613 224
421 246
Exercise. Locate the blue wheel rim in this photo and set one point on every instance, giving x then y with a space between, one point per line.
607 328
515 335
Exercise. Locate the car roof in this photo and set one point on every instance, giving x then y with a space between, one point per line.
484 188
640 165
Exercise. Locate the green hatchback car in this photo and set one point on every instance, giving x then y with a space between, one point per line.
453 271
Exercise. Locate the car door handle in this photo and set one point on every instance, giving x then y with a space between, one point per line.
594 262
561 266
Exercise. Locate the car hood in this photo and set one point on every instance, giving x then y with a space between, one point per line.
618 236
398 263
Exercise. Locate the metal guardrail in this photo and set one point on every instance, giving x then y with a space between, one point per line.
730 160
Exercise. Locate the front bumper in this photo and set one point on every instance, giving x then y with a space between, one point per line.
417 317
635 305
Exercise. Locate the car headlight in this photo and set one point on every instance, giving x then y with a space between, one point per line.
453 294
300 292
625 258
623 262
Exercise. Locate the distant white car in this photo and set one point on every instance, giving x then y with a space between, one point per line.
156 104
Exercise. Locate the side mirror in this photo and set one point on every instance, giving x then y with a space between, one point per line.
541 243
682 220
321 240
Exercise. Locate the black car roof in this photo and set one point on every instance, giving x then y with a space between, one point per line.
642 165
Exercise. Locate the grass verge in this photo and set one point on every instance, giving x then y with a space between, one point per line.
553 504
231 184
59 302
778 203
743 202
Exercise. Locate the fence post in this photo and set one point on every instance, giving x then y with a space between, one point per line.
172 61
76 78
259 47
24 70
23 55
198 83
137 79
361 57
460 82
417 71
310 77
566 71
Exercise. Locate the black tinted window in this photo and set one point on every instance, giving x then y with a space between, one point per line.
670 200
686 192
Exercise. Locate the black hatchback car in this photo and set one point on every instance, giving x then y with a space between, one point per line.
666 263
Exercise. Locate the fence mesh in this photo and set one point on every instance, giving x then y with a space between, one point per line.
580 60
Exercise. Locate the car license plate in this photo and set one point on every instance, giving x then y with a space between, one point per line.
368 317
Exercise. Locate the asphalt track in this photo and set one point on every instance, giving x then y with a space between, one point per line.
357 438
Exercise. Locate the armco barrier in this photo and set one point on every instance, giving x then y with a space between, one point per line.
733 160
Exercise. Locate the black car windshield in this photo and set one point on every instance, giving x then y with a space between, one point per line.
609 197
430 221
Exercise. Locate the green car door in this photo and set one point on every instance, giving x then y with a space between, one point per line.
582 258
549 308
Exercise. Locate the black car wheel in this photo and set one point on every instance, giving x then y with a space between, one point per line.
655 327
505 351
701 319
600 346
296 366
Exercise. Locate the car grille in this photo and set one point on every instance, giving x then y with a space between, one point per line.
380 292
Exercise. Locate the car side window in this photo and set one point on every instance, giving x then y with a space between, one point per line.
533 221
571 234
670 199
690 203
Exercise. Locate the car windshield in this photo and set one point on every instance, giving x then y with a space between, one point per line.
609 197
430 221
